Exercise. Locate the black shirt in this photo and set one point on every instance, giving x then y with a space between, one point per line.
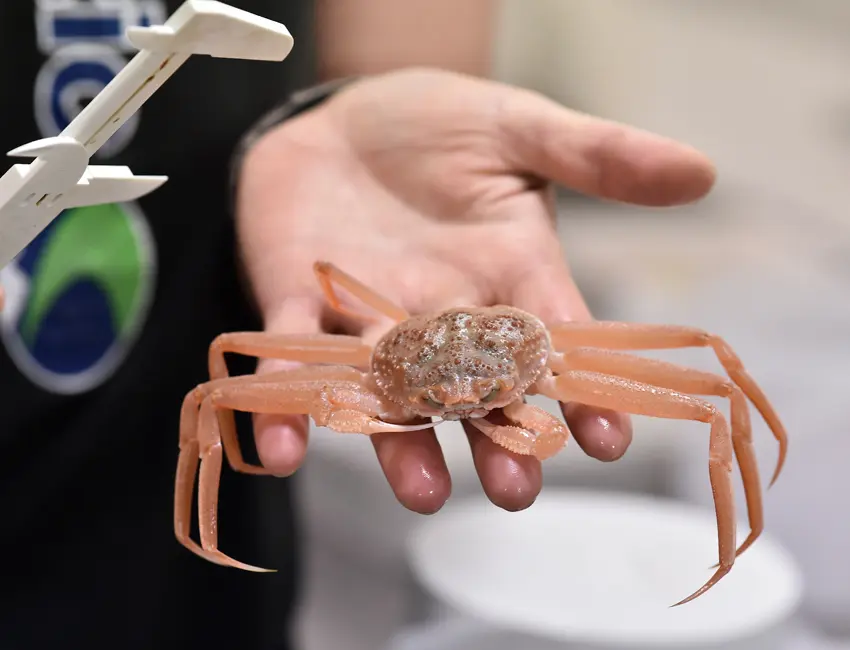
109 316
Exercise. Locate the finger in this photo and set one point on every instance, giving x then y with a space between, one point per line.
598 157
510 481
281 440
415 469
549 292
413 462
602 434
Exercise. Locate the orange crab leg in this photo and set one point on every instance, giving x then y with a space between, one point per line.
638 398
531 432
639 336
300 348
333 396
695 382
329 275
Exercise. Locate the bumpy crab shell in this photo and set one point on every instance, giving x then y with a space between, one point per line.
463 355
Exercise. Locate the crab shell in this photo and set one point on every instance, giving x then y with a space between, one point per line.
462 362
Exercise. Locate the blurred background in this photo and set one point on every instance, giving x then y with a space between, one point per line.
762 86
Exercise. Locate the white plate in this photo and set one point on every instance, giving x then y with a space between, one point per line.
601 569
467 634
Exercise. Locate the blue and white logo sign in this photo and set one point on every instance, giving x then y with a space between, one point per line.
103 22
78 295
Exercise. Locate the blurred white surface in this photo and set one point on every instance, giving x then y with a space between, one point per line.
461 633
603 570
466 634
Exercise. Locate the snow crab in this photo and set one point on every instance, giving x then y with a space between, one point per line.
463 363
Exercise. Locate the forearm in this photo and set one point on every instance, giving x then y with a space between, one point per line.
356 37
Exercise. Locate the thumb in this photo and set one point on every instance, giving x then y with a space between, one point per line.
598 157
281 440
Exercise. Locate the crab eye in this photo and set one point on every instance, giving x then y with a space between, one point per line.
432 402
493 394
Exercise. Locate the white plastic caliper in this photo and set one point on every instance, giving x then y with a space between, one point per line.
60 177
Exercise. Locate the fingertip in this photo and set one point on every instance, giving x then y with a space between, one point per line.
647 169
415 468
602 434
510 481
704 169
422 491
281 442
690 175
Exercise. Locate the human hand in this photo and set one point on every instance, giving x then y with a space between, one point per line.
434 189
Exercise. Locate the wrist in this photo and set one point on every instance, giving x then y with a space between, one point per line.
296 105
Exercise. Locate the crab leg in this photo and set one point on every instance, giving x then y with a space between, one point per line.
694 382
329 275
534 432
301 348
639 336
333 396
190 456
638 398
